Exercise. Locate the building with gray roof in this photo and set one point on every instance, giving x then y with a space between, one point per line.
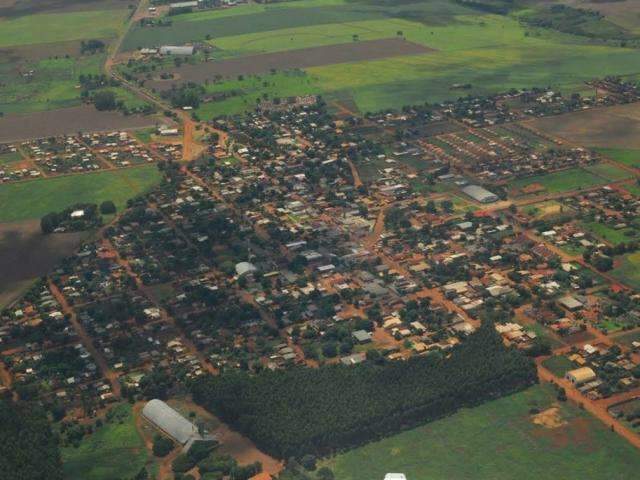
480 194
171 423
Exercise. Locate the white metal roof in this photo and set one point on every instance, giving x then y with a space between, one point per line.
170 422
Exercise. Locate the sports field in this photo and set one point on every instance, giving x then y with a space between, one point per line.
500 440
115 450
562 181
33 199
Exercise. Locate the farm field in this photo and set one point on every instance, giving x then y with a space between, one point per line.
115 450
300 58
626 156
60 27
627 269
26 254
84 118
562 181
612 127
492 53
499 441
54 194
53 85
609 171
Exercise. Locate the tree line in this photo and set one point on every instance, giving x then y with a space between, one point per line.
301 411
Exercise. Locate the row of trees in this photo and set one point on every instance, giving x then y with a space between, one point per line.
300 411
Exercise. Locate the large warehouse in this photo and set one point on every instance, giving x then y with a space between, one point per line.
480 194
170 422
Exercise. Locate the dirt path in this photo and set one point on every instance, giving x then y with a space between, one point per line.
86 340
597 410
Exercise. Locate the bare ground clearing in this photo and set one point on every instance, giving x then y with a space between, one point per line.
84 118
26 254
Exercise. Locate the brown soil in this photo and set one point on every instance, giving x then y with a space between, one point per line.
26 254
549 418
84 119
302 58
613 127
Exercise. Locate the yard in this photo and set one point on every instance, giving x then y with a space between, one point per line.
33 199
558 365
500 440
115 450
627 269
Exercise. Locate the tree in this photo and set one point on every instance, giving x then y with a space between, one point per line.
49 222
28 448
162 446
325 473
105 100
107 207
308 462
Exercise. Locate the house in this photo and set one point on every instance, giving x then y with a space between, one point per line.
570 303
361 336
580 376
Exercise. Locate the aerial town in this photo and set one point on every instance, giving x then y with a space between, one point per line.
302 288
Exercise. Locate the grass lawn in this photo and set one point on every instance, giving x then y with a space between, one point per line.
60 27
565 180
239 96
115 450
498 441
53 85
626 156
628 271
609 171
9 158
558 365
611 235
33 199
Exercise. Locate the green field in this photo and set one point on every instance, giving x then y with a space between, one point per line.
628 271
610 234
492 53
53 84
498 441
558 365
626 156
241 95
562 181
115 450
33 199
60 27
609 171
7 159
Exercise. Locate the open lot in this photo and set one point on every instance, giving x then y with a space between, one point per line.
500 440
26 254
300 58
35 198
84 118
60 27
612 127
115 450
627 270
